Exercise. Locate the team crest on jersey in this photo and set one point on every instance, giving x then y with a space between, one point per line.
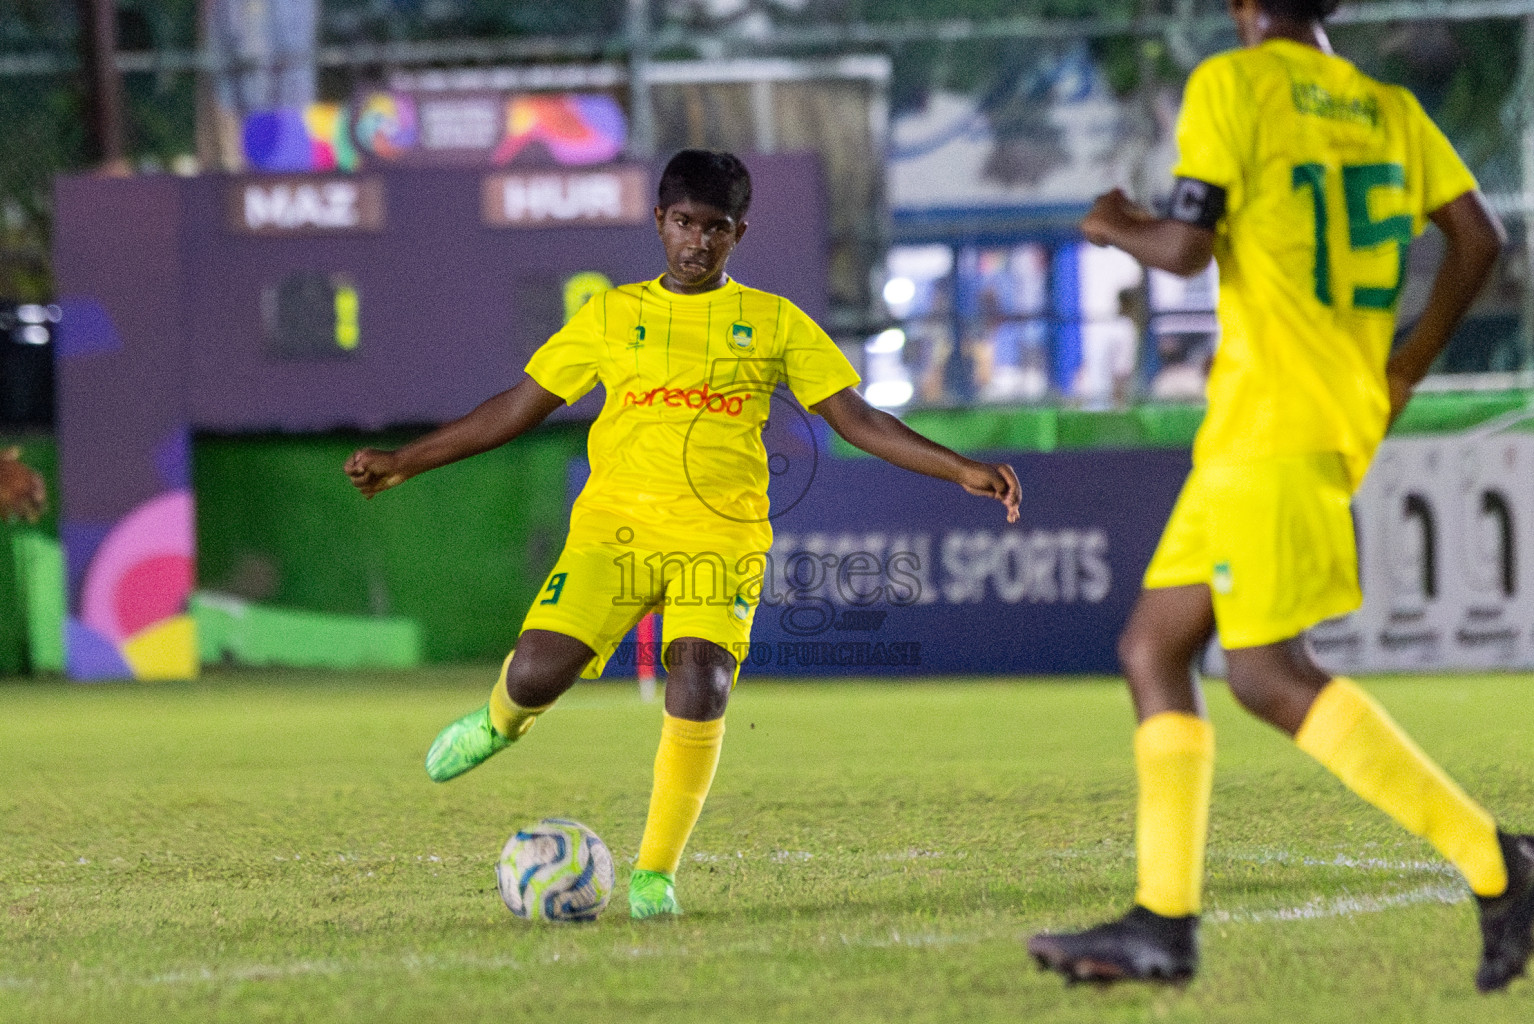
741 608
638 341
742 335
1224 581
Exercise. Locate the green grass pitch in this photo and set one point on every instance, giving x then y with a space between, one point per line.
266 847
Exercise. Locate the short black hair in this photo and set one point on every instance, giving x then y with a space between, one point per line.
706 176
1300 10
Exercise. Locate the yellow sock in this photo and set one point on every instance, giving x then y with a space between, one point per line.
507 717
1359 743
684 770
1174 759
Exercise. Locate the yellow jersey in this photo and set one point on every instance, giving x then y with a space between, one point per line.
1329 175
676 453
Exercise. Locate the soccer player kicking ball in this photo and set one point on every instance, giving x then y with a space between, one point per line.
675 512
1306 181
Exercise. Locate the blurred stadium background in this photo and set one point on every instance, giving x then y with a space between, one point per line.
237 240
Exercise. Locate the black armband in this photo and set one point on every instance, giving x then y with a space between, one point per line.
1198 203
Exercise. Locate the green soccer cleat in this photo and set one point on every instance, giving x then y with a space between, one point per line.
463 745
651 894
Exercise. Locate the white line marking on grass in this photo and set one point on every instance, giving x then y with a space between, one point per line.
1316 909
924 941
410 962
1344 906
790 856
255 972
1419 867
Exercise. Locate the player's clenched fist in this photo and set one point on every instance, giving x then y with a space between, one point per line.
372 470
998 481
1111 211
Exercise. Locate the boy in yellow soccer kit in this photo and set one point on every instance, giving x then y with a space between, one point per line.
1306 181
675 513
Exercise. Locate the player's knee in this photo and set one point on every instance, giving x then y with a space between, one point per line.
701 697
531 684
714 690
699 680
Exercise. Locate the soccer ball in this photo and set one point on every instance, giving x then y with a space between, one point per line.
556 870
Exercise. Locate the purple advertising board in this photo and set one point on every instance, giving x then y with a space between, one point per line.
313 302
876 571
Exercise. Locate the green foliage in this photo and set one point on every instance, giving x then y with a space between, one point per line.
1463 72
266 847
31 25
44 134
354 20
938 10
42 117
44 121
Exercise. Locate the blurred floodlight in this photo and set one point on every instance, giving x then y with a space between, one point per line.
921 262
899 291
887 394
32 313
892 340
34 334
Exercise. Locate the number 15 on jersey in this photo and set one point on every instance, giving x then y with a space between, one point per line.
1365 233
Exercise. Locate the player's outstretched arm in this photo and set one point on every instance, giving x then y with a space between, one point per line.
878 433
491 424
1171 245
1475 236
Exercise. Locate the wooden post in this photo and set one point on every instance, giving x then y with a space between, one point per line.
210 151
104 103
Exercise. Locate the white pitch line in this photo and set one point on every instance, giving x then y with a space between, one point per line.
1341 860
1314 909
255 972
1344 906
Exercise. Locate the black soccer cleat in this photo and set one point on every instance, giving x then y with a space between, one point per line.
1507 921
1140 946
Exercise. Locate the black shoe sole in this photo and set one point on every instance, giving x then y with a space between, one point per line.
1522 914
1100 972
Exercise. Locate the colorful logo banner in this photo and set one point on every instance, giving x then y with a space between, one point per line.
314 138
482 128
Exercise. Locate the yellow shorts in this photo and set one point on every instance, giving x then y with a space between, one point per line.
1272 538
597 592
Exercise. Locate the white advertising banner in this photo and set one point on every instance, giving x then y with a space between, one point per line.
1487 540
1445 530
1400 511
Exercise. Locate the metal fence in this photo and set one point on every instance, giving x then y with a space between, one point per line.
995 302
